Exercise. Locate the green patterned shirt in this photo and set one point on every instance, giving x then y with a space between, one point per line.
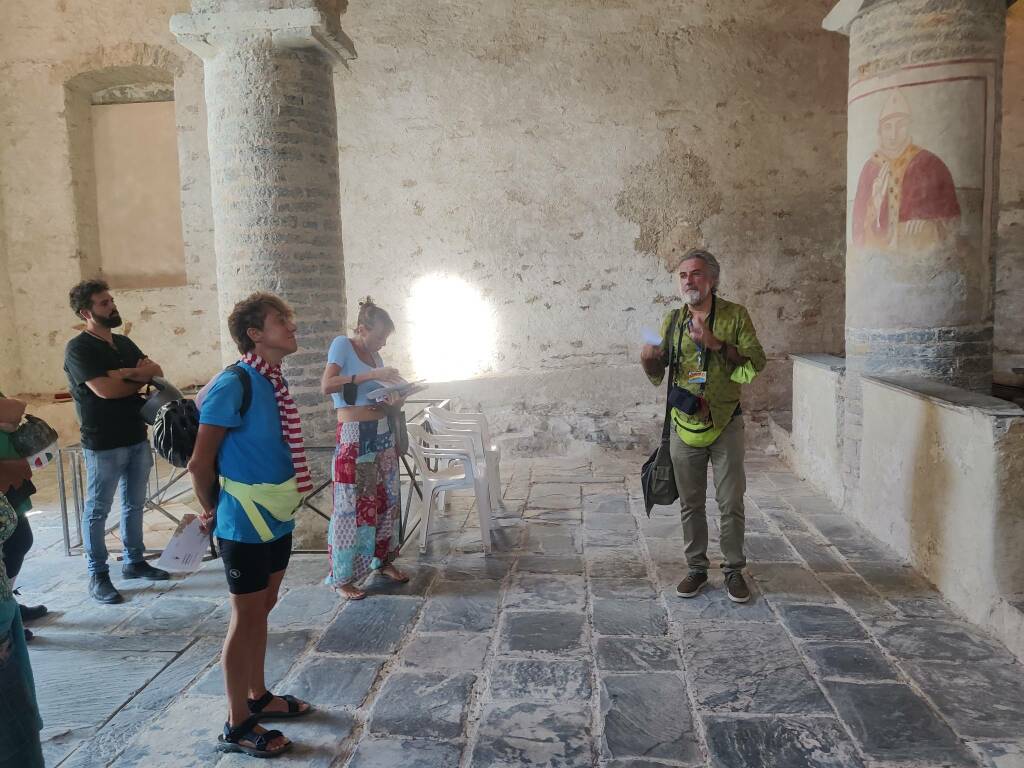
732 324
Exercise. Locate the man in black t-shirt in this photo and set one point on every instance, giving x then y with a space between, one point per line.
105 372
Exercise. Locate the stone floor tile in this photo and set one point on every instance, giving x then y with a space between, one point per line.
93 618
628 563
329 682
629 616
96 749
713 603
550 564
422 704
171 615
662 528
407 753
447 650
733 669
553 496
856 593
890 722
636 588
894 579
980 700
819 556
820 622
553 516
529 735
303 570
420 578
216 622
208 582
638 654
925 608
783 581
69 699
533 591
476 567
372 626
312 606
761 548
860 661
931 640
554 632
610 539
623 523
785 517
460 606
553 539
786 742
540 680
177 676
317 737
1000 754
639 723
606 504
283 650
185 734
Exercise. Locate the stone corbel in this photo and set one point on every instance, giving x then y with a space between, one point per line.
201 33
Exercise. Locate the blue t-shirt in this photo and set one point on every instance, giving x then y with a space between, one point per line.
253 451
344 356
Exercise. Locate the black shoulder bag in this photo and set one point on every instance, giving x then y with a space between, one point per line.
657 478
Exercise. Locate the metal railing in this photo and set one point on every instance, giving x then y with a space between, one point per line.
167 483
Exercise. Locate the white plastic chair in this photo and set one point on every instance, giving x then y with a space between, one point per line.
454 450
444 422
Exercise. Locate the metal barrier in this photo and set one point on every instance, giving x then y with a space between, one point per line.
174 484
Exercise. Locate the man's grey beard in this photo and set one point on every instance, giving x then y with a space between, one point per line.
692 297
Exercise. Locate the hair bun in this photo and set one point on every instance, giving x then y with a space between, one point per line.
366 302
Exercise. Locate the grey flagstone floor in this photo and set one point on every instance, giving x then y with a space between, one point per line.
566 647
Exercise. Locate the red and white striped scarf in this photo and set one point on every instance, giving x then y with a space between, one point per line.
291 427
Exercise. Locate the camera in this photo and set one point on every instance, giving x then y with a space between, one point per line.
684 400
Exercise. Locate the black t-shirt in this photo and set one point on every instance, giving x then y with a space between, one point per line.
106 424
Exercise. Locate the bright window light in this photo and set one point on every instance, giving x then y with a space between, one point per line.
453 329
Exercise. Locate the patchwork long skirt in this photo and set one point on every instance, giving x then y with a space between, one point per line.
363 534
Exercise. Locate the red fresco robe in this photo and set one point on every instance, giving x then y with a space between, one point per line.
920 188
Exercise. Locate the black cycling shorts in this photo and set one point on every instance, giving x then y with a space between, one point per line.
248 566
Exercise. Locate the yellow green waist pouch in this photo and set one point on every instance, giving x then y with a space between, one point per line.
279 499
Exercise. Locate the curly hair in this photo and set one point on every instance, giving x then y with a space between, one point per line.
251 312
370 315
80 297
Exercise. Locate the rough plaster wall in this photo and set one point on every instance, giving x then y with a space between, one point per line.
43 46
553 154
10 354
1009 300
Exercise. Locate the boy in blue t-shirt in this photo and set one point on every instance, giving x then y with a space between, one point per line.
244 474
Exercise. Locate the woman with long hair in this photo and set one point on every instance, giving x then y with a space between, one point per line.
363 535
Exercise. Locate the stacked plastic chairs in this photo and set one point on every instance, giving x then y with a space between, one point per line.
473 425
458 467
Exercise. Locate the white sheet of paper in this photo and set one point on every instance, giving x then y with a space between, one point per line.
649 336
184 552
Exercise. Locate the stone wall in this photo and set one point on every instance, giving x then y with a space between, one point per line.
815 446
549 155
945 490
52 53
1009 311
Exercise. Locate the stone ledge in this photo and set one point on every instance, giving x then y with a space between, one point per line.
946 396
828 362
290 28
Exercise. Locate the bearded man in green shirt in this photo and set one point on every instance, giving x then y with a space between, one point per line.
716 351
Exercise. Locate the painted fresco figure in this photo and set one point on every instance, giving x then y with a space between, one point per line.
906 198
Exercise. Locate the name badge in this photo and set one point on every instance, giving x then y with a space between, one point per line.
697 377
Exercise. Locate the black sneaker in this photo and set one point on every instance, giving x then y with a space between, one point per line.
736 587
29 636
32 612
143 570
692 584
102 590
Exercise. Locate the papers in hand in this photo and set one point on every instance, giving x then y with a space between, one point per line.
184 552
649 336
403 390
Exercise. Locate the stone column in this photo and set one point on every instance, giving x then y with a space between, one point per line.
922 157
274 169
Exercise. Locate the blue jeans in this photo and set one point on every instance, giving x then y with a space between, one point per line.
128 468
